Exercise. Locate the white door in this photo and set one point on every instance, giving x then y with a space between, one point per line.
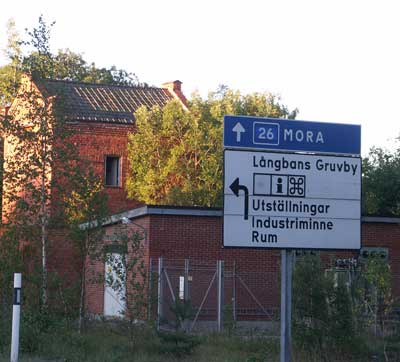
114 287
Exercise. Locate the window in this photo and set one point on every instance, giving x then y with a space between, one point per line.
112 168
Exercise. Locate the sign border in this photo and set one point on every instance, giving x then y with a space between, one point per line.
277 120
286 248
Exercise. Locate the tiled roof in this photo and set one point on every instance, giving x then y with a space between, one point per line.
103 103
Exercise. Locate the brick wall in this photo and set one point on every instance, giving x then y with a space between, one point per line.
97 140
388 236
96 268
199 239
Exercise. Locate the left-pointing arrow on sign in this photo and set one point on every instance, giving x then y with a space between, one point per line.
238 129
235 187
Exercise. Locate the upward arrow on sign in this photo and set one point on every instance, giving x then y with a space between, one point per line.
235 187
238 129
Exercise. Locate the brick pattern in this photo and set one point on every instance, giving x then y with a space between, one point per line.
95 141
200 239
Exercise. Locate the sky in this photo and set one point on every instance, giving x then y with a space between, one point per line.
336 61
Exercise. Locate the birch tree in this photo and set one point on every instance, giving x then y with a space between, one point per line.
35 145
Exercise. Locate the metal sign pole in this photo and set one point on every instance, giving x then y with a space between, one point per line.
16 318
286 305
289 275
220 274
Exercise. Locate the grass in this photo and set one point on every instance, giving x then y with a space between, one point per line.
109 343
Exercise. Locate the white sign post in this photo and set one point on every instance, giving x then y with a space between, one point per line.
16 318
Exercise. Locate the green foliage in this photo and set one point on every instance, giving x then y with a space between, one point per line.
222 347
331 312
40 61
342 327
177 344
183 311
374 292
34 137
108 342
323 308
310 302
34 324
10 73
183 163
381 182
86 209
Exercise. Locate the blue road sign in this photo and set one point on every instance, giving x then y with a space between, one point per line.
291 135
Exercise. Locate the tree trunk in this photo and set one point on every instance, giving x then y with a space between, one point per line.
43 236
82 299
83 285
44 258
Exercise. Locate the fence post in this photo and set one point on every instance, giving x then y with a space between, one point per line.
186 292
149 288
160 292
16 318
220 273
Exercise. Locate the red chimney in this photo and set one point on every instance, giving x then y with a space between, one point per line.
176 90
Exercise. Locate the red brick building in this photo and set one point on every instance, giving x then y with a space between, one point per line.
176 233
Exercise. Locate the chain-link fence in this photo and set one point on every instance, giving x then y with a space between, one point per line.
214 296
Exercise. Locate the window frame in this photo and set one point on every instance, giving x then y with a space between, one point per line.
119 173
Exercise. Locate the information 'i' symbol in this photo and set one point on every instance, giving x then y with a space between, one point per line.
279 189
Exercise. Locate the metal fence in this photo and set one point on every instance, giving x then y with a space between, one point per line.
196 295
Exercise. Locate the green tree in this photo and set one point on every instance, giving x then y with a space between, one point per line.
323 309
381 182
35 139
35 144
342 329
10 73
310 301
375 290
176 154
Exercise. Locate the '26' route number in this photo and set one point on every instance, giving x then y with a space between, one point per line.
266 133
